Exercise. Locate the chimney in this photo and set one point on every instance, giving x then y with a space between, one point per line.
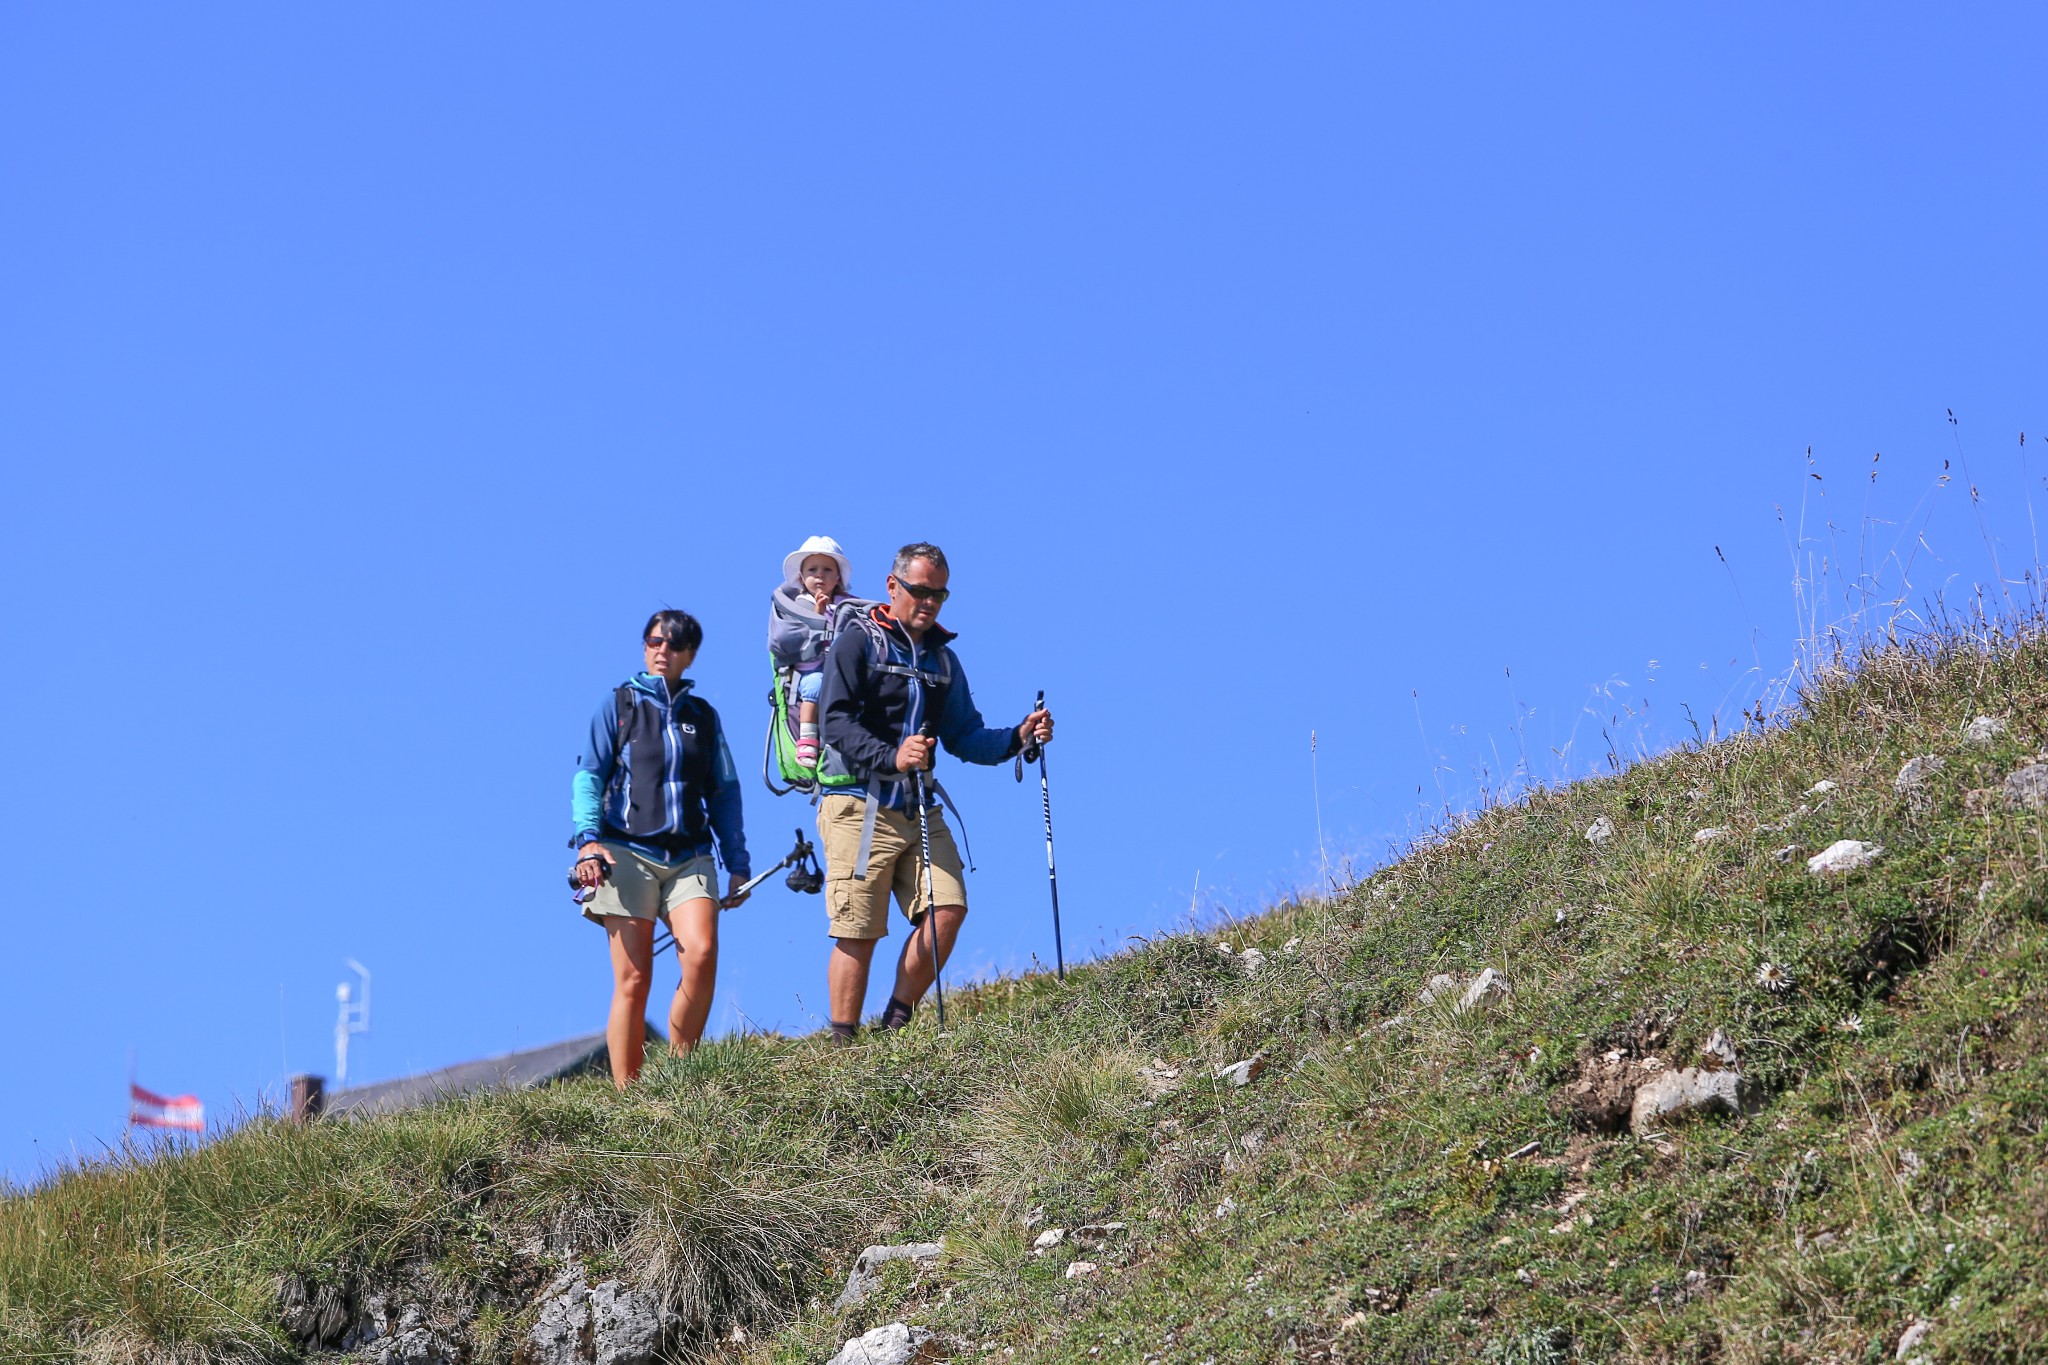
309 1097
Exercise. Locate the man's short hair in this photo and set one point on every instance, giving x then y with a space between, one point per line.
679 628
919 549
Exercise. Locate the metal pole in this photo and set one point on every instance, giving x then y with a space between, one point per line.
1052 873
931 909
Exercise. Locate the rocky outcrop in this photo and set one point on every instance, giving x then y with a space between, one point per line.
894 1344
2027 788
867 1268
605 1324
1614 1089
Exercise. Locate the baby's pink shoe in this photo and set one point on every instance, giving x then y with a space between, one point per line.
807 753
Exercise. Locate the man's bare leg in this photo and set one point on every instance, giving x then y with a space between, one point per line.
914 968
846 977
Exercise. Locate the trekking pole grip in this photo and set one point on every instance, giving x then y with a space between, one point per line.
1032 748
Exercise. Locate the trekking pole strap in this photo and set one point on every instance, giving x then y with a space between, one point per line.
867 836
966 845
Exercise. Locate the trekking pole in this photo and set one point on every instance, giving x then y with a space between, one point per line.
931 909
805 875
1034 751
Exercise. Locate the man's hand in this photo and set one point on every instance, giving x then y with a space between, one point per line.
1037 727
915 752
734 897
589 869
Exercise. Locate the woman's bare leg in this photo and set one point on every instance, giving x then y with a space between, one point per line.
695 925
625 1033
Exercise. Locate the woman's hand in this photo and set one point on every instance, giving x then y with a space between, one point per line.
593 862
734 897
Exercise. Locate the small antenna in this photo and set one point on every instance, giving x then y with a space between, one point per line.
1315 777
354 1017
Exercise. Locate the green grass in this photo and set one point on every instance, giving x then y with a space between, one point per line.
1352 1203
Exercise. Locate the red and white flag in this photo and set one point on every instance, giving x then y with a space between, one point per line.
147 1109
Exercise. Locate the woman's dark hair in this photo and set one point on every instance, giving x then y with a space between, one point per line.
679 628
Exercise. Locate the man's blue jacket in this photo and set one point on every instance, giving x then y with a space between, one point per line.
881 687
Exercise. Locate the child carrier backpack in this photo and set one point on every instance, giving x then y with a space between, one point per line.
779 768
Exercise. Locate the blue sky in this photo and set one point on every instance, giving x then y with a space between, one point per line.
366 377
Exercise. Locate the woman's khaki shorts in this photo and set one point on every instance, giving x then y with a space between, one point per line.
646 889
860 909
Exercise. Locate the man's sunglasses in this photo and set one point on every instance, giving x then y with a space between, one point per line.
674 646
922 593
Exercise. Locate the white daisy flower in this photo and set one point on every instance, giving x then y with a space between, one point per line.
1774 977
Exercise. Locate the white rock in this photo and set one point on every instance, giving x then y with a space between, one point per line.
1910 1339
1984 730
1719 1051
1049 1239
1289 946
1488 982
867 1268
1914 775
2027 788
417 1346
1077 1270
1227 1207
1252 960
1244 1072
627 1324
1843 855
1442 984
1784 855
1821 788
895 1344
1600 831
1709 834
1672 1092
622 1325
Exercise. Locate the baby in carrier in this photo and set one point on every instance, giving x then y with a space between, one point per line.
800 628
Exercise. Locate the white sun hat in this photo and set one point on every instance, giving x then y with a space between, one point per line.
816 545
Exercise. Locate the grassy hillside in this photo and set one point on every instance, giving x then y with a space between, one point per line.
1372 1194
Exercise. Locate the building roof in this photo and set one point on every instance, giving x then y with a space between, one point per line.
512 1071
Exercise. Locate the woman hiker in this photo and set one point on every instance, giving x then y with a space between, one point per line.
654 790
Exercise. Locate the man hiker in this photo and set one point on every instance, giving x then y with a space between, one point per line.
893 690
